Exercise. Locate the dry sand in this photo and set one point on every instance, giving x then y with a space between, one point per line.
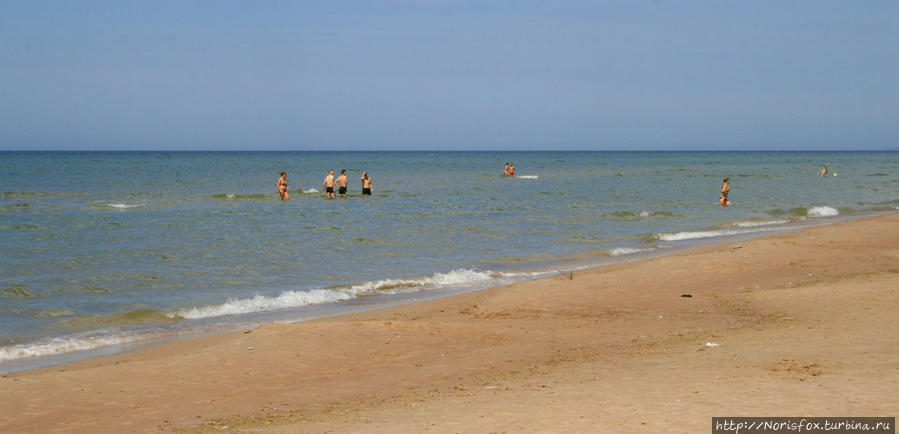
806 322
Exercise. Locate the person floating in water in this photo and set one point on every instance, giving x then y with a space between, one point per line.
329 184
366 184
282 187
341 184
823 171
725 189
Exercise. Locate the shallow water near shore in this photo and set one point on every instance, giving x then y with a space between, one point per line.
100 248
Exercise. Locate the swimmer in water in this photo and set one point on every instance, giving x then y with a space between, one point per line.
282 187
725 190
823 171
341 184
329 184
366 184
506 169
511 169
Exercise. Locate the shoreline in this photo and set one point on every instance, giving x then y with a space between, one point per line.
193 328
509 346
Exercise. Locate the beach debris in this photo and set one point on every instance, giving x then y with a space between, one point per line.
490 387
568 274
686 295
737 247
712 344
661 317
249 348
246 332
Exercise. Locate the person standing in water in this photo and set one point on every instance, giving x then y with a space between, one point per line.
511 169
506 169
823 171
282 187
341 184
329 184
366 184
725 190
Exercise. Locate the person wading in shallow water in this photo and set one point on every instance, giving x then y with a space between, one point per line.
329 184
366 184
341 184
725 189
282 187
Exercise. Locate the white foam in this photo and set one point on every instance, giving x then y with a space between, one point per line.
230 195
291 299
63 345
618 251
311 190
123 205
823 211
681 236
644 214
528 176
762 223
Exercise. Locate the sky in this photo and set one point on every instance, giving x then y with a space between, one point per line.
449 75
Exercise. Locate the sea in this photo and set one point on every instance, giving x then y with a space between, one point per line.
102 251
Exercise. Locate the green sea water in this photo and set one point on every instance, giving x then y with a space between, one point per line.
102 247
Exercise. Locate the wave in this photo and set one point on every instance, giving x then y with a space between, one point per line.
618 251
817 211
693 235
234 196
751 224
461 278
627 215
123 205
64 345
311 190
823 211
527 176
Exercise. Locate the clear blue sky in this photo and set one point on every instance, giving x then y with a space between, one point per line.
423 75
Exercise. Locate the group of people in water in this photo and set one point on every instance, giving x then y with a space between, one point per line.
340 183
329 184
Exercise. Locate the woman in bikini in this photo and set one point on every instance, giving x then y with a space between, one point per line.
282 187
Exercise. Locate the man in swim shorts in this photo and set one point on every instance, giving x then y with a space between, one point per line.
366 184
341 183
329 184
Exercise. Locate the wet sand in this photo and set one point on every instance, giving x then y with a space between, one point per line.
806 324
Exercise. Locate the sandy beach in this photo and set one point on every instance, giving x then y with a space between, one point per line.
805 324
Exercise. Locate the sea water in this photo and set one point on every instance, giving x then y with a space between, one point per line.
100 248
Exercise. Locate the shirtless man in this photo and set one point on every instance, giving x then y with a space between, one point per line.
282 187
341 183
329 184
366 184
725 189
823 172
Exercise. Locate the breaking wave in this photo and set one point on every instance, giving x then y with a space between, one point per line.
618 251
823 211
123 205
461 278
64 345
761 223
